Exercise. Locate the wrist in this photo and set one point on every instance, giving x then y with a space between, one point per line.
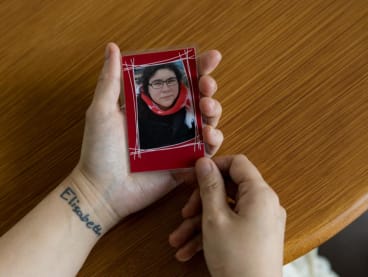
87 203
59 232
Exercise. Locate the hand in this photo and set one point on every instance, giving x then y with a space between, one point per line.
102 171
246 241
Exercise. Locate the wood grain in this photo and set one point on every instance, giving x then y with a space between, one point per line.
293 84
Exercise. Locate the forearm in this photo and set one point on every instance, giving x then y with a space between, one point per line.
55 238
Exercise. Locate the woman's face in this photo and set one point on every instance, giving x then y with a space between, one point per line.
163 88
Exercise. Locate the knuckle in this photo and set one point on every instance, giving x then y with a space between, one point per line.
283 214
216 219
106 77
210 186
219 108
269 196
213 83
221 135
241 157
218 137
216 103
273 197
94 112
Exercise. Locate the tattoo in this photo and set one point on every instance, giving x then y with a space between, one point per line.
72 199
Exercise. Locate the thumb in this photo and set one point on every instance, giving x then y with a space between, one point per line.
211 187
108 87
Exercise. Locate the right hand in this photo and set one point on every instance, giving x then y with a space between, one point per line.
246 241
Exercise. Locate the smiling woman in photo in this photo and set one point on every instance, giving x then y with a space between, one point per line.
165 111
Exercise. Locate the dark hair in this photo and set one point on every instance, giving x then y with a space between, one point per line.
149 71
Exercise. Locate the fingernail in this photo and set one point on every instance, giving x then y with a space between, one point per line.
206 168
179 256
214 85
183 210
212 105
107 52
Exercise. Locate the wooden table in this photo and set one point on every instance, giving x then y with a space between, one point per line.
293 84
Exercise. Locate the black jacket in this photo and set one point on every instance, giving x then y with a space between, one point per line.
158 131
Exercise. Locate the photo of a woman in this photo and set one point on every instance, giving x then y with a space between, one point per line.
165 110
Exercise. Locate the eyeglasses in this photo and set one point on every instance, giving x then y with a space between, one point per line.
158 84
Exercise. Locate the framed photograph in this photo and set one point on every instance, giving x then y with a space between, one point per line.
162 109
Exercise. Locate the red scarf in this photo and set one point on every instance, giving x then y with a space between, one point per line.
184 100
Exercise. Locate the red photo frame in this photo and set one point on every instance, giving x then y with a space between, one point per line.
164 121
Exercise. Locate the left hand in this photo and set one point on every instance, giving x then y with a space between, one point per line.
103 167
